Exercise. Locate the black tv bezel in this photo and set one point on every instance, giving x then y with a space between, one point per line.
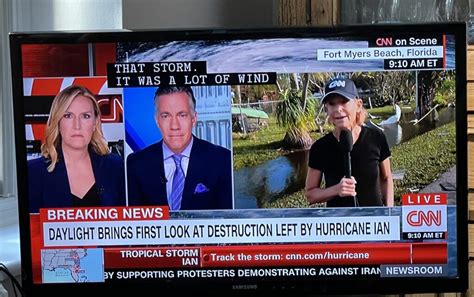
209 287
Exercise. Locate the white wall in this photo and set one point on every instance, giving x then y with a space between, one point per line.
47 15
149 14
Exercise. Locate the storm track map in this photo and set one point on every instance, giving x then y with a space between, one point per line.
72 265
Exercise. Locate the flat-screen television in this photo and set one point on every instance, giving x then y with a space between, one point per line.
267 161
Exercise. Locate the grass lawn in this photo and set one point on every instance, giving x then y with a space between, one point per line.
257 147
260 146
384 111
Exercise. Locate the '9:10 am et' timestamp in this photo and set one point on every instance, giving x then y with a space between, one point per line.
432 63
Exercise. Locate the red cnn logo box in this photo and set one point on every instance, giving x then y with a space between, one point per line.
424 212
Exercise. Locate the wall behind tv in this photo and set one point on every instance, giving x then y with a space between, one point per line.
146 14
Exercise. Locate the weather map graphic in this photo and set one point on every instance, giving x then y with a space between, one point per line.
72 265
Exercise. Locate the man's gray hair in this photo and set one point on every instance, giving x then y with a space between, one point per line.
175 89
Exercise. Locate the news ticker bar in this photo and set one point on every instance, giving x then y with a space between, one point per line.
276 255
286 273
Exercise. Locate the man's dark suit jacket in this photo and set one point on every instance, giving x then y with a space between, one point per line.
51 189
208 183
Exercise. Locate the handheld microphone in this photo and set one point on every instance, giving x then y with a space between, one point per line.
345 141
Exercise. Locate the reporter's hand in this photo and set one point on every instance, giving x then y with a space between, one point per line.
347 187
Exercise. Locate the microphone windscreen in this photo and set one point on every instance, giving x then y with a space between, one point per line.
345 140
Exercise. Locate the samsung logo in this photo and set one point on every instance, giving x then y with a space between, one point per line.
244 287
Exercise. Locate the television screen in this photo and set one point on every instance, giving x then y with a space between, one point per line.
268 161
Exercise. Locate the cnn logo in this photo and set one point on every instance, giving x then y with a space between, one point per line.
418 218
337 83
424 218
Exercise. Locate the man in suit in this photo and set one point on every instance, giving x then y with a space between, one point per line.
181 171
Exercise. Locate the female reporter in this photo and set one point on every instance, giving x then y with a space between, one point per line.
76 168
371 182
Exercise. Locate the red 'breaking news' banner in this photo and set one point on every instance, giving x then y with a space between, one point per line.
88 214
276 255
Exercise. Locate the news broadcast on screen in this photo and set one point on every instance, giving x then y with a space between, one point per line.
191 160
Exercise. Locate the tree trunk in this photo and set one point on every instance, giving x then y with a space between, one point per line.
237 93
300 140
428 81
305 90
294 82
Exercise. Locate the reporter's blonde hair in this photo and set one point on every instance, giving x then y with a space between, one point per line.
52 141
361 116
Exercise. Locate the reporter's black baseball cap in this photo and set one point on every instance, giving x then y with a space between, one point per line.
340 86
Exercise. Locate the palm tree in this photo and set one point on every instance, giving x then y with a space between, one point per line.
296 112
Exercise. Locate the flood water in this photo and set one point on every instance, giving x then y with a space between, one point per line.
286 174
406 130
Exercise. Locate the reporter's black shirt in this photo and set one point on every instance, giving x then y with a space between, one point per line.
368 151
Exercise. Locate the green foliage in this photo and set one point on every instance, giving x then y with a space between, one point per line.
257 147
384 111
424 158
289 108
295 200
392 87
297 116
440 100
383 88
446 93
254 93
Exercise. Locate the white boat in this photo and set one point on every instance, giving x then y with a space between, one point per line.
371 124
393 119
